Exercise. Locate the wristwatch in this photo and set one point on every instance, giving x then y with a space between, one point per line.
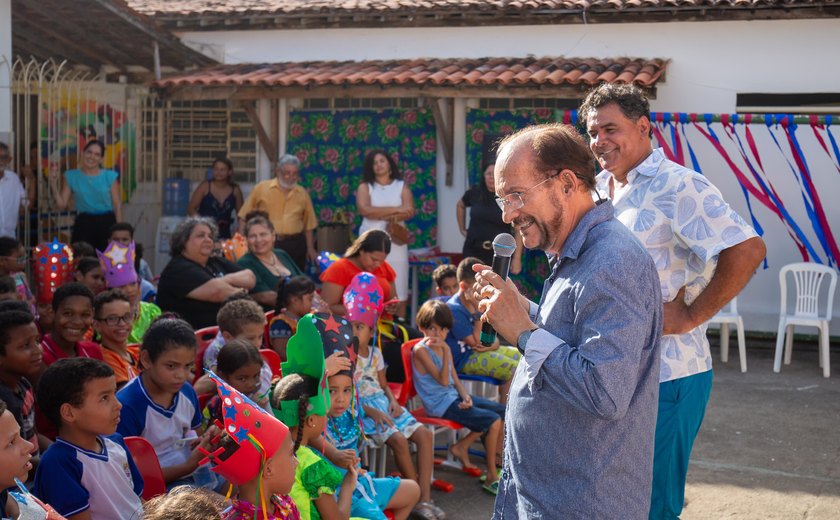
523 338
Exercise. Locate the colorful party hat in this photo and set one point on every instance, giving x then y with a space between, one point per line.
258 434
117 264
326 259
53 268
337 336
235 248
364 299
305 356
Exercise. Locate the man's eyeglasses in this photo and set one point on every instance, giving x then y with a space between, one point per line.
5 159
515 200
112 321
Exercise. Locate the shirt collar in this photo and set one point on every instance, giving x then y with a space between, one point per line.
276 185
602 212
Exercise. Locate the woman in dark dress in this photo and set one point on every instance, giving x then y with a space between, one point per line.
219 198
485 221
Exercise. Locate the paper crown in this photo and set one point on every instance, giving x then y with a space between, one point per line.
364 299
117 264
53 268
305 356
326 259
337 336
258 434
234 248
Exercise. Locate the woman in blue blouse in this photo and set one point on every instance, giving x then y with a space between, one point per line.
96 196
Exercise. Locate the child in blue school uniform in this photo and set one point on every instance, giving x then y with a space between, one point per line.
161 406
88 472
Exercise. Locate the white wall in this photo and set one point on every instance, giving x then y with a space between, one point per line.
711 62
6 60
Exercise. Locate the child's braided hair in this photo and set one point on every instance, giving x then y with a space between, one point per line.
295 387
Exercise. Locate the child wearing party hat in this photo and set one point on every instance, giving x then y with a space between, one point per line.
118 267
256 454
301 402
372 495
385 421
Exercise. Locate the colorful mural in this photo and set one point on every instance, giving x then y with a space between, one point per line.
68 125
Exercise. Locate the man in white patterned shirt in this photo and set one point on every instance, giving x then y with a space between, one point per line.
703 250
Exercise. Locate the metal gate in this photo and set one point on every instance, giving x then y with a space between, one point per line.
56 110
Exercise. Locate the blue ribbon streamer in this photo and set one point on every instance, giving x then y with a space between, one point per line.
808 195
831 138
786 215
756 225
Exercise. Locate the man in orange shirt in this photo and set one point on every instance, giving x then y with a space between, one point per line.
289 208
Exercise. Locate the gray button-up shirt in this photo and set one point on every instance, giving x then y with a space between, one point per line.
582 408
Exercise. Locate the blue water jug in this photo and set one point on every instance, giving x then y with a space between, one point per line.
176 196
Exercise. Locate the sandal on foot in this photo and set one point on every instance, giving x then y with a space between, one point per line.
492 488
424 510
483 477
441 515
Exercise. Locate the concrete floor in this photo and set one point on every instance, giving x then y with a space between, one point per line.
769 447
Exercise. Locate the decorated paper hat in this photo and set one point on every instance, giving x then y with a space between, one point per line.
117 264
337 336
364 299
53 268
257 432
305 356
235 248
326 259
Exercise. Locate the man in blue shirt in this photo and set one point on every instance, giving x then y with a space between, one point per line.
582 408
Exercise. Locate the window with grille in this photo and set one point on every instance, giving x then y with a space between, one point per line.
528 103
199 131
350 103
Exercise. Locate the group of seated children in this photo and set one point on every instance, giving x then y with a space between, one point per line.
282 448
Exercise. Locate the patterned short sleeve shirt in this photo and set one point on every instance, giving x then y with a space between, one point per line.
684 223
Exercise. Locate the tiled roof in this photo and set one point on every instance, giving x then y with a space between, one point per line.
60 30
430 73
299 7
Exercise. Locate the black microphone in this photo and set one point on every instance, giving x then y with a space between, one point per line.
503 247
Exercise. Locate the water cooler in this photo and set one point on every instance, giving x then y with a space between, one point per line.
176 199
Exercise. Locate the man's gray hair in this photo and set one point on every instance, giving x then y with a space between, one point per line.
288 159
178 239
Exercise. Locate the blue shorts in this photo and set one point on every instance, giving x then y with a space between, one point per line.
374 500
477 418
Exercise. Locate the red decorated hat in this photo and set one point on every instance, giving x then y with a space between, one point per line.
53 266
257 432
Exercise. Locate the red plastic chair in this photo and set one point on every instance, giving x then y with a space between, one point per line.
203 338
273 360
267 332
433 423
147 463
203 399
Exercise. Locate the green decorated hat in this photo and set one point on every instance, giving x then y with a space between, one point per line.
305 356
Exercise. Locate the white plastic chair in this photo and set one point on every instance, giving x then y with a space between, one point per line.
809 278
376 457
726 317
